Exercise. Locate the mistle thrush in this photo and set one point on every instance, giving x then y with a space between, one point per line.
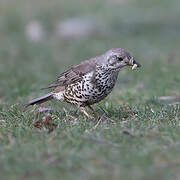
90 81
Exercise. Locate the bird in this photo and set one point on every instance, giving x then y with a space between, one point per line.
90 81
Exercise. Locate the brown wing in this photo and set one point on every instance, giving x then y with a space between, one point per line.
74 74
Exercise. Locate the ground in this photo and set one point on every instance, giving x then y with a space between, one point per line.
139 135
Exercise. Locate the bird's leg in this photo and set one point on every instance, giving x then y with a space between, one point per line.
95 113
85 112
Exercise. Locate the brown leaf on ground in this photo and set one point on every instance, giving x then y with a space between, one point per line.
47 122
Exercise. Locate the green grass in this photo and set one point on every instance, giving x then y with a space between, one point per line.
140 139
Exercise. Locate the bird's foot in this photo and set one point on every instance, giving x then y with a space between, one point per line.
95 113
83 110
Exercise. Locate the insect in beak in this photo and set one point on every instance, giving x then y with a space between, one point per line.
134 63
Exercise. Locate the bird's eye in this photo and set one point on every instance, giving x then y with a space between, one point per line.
120 58
114 57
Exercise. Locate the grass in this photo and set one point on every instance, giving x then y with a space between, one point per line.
139 140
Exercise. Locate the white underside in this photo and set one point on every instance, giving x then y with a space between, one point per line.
59 96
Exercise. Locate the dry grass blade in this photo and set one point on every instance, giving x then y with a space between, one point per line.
102 118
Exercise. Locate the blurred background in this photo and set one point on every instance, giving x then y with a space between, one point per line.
39 39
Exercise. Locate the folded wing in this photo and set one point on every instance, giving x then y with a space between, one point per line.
74 74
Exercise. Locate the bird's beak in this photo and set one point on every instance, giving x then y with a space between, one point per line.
134 63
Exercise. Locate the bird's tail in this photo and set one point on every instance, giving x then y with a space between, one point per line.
40 100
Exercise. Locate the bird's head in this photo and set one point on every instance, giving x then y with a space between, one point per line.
118 58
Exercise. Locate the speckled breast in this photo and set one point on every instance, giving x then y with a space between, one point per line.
92 88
